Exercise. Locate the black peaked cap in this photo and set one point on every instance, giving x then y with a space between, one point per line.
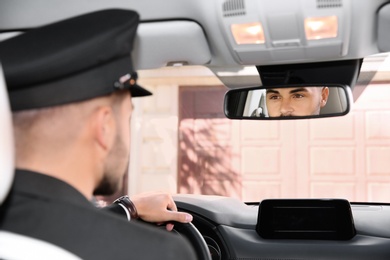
72 60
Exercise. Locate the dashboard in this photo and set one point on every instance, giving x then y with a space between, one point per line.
229 228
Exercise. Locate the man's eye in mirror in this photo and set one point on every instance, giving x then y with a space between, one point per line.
288 101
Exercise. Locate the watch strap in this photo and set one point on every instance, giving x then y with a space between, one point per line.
127 204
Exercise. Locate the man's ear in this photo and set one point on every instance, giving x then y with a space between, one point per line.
104 127
324 96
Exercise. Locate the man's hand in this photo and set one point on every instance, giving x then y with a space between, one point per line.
159 207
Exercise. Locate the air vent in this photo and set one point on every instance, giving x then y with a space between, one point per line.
213 246
233 8
321 4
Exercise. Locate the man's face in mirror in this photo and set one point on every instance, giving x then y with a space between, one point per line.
297 101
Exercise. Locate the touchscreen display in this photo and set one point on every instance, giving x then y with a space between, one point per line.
305 219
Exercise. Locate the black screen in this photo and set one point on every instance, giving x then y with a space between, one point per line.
305 219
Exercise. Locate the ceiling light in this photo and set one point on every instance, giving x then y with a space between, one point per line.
248 33
321 27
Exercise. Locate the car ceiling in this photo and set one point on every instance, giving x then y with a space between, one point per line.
201 35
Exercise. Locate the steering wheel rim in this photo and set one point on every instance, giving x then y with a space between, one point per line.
196 239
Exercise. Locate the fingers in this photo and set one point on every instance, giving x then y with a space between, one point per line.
182 217
171 204
159 207
169 226
179 217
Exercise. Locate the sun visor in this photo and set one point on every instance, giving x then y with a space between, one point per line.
383 28
154 41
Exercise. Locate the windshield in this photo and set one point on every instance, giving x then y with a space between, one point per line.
183 143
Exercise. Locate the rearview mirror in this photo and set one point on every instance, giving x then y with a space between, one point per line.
287 101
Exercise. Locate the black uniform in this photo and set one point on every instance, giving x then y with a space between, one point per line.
73 60
48 209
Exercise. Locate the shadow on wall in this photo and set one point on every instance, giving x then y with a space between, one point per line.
206 163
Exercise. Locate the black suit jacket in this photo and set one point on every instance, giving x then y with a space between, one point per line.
48 209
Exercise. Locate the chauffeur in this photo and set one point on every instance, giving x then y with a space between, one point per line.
70 87
296 101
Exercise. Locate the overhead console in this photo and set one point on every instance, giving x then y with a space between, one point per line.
264 32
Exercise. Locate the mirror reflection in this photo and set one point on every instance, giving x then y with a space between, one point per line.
289 101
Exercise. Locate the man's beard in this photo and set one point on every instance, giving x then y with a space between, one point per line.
112 180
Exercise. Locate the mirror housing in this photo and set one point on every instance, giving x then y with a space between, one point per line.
293 101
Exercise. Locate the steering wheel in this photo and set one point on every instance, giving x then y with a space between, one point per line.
196 239
187 230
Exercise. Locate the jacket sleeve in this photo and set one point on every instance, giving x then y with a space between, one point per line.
117 209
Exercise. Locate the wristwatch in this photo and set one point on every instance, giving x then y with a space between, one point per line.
128 206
